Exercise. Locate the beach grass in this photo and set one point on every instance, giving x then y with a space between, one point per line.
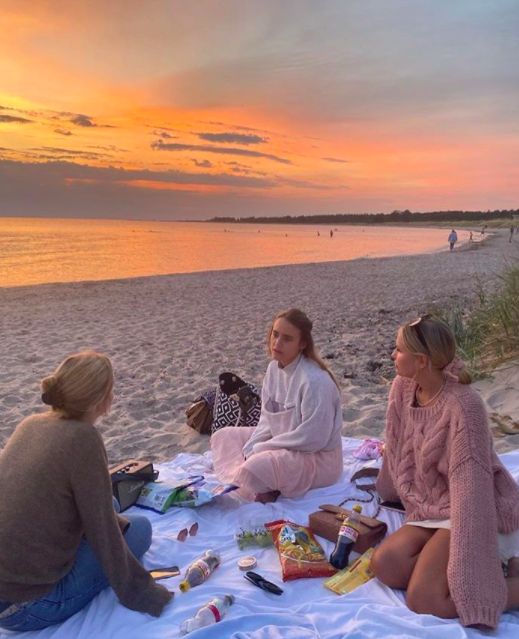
488 334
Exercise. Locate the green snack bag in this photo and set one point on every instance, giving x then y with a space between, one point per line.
161 495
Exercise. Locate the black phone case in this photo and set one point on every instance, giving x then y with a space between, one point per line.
393 505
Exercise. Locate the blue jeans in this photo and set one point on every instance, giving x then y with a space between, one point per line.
85 580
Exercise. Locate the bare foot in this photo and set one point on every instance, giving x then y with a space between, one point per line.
266 498
505 423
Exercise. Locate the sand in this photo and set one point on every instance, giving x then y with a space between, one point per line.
170 336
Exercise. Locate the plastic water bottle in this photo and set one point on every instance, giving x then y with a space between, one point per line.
211 613
200 570
348 533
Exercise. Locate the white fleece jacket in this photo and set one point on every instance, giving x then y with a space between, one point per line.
304 399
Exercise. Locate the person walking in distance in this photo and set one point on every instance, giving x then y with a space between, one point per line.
453 238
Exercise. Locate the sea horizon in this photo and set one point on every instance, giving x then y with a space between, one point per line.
51 250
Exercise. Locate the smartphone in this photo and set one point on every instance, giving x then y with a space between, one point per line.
164 573
397 506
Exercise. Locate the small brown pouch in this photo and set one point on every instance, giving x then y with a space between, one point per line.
199 415
328 519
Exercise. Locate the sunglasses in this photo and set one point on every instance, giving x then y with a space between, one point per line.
262 583
418 330
191 531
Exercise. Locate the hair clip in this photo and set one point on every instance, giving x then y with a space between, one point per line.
420 319
416 324
262 583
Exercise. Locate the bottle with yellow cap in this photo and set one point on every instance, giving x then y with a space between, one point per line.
200 570
348 533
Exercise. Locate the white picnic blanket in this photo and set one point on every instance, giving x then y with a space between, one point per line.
306 609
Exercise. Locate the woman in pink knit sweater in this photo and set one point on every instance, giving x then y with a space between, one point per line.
461 534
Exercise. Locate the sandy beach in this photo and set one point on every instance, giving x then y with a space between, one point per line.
170 336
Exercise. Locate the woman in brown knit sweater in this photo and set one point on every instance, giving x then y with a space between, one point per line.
61 542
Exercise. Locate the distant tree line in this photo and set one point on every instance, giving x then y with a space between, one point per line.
374 218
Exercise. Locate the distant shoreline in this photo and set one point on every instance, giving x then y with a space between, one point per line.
340 219
46 251
461 246
238 271
396 218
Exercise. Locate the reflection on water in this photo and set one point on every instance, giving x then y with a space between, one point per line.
35 251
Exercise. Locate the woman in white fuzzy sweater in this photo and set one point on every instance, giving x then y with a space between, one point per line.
297 442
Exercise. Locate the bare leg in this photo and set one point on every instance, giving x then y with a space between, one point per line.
394 560
419 563
428 590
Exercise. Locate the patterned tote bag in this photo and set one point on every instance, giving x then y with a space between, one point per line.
237 403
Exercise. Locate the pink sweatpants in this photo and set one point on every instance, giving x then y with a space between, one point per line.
291 472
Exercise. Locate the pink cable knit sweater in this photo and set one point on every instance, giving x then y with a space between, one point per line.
440 462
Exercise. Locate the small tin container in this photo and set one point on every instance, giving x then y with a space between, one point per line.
247 563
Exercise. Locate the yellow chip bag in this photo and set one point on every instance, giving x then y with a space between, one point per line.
353 576
300 554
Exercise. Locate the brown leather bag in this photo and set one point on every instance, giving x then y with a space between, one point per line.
199 416
327 521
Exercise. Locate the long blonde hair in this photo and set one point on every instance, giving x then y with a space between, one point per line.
300 320
82 381
432 337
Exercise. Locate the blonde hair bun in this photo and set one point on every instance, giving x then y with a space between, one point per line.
80 382
51 395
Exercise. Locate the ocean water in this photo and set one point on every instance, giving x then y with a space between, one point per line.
37 251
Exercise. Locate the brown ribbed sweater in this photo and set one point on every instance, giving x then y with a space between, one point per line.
440 462
55 489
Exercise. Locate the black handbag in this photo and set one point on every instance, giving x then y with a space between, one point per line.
128 478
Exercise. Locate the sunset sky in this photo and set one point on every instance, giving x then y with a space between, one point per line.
185 110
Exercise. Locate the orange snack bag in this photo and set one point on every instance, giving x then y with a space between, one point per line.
300 554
